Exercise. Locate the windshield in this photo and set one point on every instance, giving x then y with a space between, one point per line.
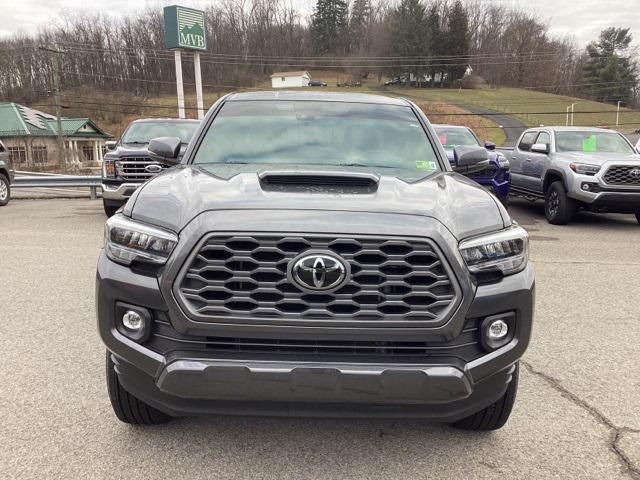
322 135
598 142
143 132
451 138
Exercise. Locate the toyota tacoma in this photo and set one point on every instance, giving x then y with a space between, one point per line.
314 254
574 168
127 163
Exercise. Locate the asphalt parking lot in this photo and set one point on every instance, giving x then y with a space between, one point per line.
577 414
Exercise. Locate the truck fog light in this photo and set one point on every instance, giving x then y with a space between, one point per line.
498 329
585 186
132 320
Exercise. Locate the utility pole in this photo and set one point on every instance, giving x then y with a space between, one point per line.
618 113
56 93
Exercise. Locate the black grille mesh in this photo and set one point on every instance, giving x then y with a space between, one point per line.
245 276
621 175
466 346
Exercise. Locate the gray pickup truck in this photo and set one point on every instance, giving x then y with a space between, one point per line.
575 168
6 175
314 254
127 164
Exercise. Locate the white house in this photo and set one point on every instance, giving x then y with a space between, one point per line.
290 79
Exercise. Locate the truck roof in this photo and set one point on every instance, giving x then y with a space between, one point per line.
574 129
318 97
444 125
165 120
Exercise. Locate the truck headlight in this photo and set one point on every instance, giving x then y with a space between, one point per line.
506 251
126 241
584 168
108 168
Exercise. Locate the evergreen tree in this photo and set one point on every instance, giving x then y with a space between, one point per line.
611 73
359 26
329 27
436 42
457 41
410 36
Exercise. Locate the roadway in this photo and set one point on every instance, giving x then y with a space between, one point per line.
576 415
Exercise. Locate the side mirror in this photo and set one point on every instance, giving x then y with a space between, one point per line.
110 144
540 148
489 145
470 159
165 150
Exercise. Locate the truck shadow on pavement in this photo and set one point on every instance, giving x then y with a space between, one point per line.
529 214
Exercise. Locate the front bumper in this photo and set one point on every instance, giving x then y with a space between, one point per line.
499 184
180 382
118 191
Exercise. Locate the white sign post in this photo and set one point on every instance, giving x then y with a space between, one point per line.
179 84
198 75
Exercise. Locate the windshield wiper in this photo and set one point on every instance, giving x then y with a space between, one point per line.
136 142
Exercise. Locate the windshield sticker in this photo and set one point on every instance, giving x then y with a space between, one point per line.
425 165
589 144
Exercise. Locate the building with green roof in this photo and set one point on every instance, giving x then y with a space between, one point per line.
31 137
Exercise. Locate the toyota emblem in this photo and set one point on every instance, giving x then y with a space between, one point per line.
318 272
635 172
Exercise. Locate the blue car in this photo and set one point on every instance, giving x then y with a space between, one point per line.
496 177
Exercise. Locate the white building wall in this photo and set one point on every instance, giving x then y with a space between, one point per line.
290 82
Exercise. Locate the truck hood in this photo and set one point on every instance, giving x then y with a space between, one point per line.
598 158
173 198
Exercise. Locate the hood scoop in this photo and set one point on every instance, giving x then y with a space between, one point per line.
319 182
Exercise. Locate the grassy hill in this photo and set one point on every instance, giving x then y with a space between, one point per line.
114 111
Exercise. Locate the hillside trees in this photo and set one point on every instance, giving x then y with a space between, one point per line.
610 75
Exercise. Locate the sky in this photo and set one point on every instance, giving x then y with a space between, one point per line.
581 20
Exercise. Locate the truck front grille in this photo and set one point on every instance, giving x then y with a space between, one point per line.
466 346
245 277
628 175
133 168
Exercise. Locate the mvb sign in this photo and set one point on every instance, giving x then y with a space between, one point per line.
184 28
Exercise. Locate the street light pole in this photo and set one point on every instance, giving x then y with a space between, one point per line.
572 113
567 121
618 113
56 93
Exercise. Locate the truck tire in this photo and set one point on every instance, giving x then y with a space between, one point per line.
558 208
128 408
5 190
505 202
495 415
109 210
638 217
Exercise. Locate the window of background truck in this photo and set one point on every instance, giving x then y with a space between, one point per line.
144 131
544 137
527 140
454 137
322 135
597 142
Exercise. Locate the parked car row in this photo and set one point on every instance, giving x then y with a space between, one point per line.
570 168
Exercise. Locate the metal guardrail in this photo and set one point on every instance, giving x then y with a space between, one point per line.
92 182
